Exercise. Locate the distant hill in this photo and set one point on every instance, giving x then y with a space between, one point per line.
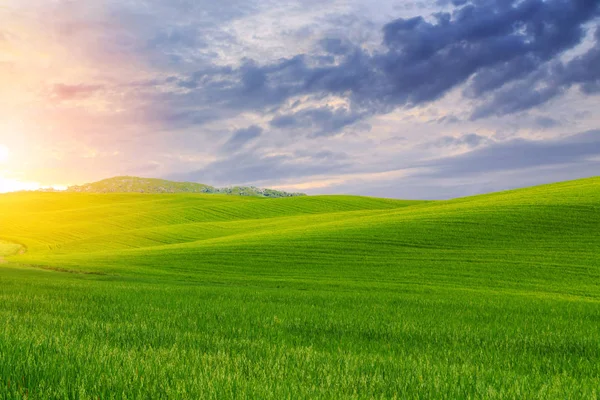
131 184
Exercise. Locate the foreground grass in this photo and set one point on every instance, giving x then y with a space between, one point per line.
209 297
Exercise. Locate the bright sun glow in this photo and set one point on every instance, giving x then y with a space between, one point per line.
10 184
13 185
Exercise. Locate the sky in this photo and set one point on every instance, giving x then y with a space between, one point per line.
405 99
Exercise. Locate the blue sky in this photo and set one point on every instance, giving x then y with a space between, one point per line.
412 99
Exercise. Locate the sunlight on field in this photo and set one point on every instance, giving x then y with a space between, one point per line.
189 296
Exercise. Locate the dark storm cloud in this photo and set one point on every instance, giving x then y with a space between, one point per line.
519 154
522 96
241 137
492 42
336 46
547 83
505 51
248 87
584 70
320 121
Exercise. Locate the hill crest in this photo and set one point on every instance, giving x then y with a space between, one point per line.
132 184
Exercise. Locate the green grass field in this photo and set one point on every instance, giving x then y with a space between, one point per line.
205 296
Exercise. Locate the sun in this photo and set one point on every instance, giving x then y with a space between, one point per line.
4 153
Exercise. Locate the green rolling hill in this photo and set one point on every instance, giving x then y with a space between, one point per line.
133 184
213 296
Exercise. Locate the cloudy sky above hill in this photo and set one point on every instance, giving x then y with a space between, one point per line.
413 99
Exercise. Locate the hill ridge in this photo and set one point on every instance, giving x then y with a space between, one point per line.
133 184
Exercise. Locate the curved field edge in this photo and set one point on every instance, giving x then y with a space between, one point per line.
99 218
539 238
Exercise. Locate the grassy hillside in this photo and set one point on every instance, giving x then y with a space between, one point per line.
190 295
132 184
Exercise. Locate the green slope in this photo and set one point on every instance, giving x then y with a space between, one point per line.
493 296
